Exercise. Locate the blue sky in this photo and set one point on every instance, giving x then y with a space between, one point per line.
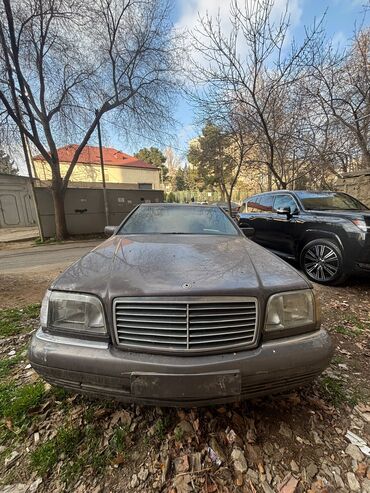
341 17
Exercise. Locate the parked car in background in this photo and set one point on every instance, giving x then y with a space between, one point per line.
225 207
179 308
328 233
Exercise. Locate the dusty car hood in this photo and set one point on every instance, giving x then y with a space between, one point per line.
172 265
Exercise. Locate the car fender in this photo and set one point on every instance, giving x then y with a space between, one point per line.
314 234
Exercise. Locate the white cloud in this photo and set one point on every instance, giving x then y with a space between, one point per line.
339 40
190 10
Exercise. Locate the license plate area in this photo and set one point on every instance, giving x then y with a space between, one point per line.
184 386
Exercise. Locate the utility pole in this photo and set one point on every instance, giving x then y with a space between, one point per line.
102 173
29 160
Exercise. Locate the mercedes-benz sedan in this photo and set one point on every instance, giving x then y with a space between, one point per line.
179 308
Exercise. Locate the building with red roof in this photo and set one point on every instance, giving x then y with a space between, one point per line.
121 170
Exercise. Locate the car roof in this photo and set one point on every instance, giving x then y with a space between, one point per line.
293 192
268 193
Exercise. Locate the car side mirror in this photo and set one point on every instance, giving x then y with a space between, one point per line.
248 231
287 211
109 230
284 211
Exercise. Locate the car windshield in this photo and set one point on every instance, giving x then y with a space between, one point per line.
187 219
322 201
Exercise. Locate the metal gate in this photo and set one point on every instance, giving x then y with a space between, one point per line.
16 207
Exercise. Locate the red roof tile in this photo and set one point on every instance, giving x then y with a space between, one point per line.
91 155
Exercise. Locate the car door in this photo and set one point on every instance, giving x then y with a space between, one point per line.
263 218
247 212
257 214
283 228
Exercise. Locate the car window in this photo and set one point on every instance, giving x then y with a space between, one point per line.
185 219
252 204
265 203
284 201
322 201
243 207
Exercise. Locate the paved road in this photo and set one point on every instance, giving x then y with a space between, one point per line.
43 258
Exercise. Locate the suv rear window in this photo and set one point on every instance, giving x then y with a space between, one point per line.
252 204
260 203
265 203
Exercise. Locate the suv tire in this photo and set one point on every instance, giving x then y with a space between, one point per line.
322 262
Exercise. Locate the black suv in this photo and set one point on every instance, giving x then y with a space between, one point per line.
328 233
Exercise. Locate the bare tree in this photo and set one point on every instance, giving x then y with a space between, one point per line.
308 151
251 69
325 148
62 59
173 164
341 85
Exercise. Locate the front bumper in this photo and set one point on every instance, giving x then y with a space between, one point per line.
99 369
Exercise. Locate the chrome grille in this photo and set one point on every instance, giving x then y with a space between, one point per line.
186 324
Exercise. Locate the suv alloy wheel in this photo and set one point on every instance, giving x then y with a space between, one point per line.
322 262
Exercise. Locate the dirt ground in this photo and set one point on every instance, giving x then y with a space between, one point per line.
292 443
22 289
27 269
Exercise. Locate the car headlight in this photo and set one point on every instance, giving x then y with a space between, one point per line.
291 309
72 312
361 224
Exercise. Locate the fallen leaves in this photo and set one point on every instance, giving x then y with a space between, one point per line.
288 484
121 416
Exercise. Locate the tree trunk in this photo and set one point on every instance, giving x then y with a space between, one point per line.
269 179
229 196
365 159
61 232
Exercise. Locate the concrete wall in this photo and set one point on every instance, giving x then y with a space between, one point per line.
356 184
91 173
85 208
16 206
